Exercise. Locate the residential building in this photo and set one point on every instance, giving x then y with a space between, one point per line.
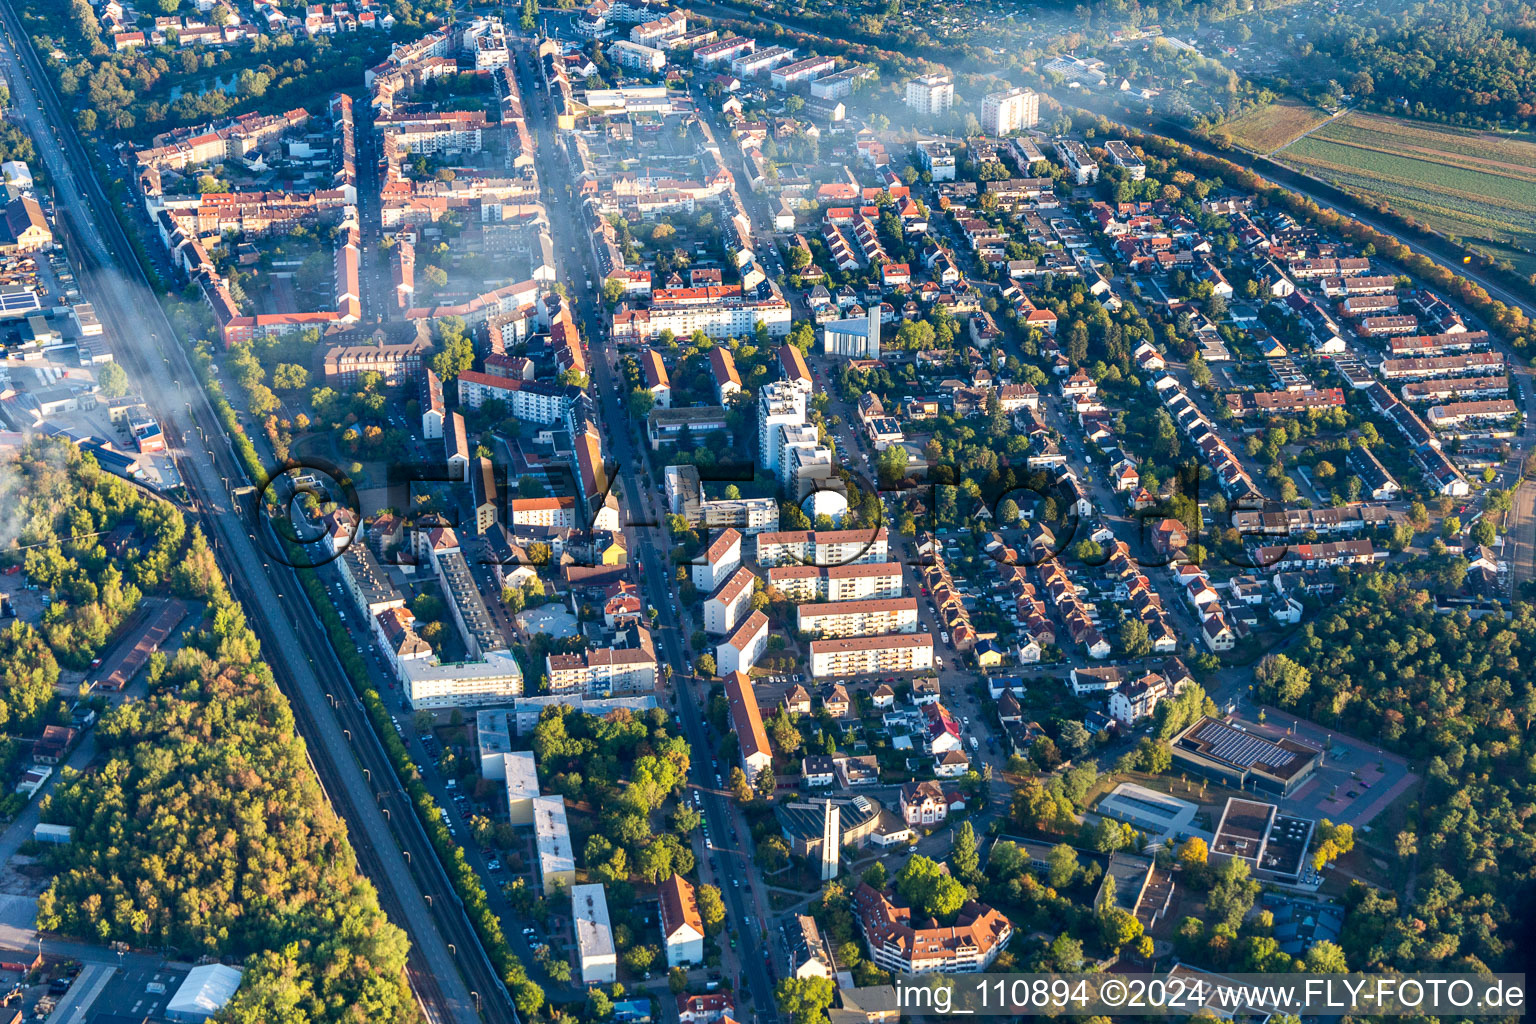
727 606
809 955
740 651
931 95
822 547
864 655
432 408
718 561
747 724
595 951
858 582
682 928
1004 112
1074 157
858 618
1121 155
552 838
705 1009
896 944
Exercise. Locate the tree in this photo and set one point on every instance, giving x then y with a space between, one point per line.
1193 853
1118 927
1008 512
1281 680
891 464
1326 958
290 377
1333 841
113 380
1232 894
711 909
805 1000
1066 953
929 889
741 788
705 664
1061 866
963 858
1484 532
1135 640
458 349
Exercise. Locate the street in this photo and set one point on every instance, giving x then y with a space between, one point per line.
747 912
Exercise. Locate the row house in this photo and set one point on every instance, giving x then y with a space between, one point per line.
1077 616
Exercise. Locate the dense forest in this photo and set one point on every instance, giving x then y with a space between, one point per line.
1456 697
1462 62
201 826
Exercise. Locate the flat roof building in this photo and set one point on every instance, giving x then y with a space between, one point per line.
522 776
1273 844
1236 757
599 961
552 836
1154 813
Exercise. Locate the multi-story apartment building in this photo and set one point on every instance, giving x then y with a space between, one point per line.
758 61
747 724
537 401
838 84
931 95
725 318
604 671
1074 157
726 607
1121 155
863 655
780 403
1004 112
718 561
547 513
657 382
740 651
937 159
823 547
636 56
969 945
860 582
871 617
790 75
397 364
713 54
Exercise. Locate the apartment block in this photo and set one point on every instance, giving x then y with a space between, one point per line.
858 618
740 651
823 547
726 607
717 562
864 655
859 582
931 95
1004 112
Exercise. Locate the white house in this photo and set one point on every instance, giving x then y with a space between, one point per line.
740 651
682 928
718 561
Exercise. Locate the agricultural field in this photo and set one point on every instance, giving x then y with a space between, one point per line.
1269 128
1476 185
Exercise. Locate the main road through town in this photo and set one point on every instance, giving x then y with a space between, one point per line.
728 862
448 969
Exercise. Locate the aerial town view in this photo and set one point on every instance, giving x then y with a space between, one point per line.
744 512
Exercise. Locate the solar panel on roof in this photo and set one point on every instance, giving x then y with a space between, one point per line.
1240 748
